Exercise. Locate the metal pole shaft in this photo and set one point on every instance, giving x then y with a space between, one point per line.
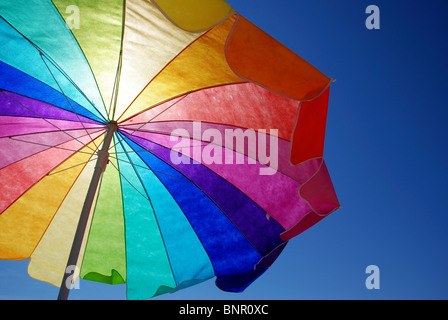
100 166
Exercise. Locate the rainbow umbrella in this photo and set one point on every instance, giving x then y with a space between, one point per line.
154 143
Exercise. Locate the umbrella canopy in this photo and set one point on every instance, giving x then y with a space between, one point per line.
155 143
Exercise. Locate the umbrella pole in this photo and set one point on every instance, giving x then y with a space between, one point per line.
100 166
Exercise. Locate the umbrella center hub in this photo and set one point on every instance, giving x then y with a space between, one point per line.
112 125
103 154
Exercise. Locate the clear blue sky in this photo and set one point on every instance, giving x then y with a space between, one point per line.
385 150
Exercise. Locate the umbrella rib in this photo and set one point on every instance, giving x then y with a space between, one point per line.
128 181
162 148
46 120
66 98
74 166
113 102
135 130
147 168
49 146
43 132
166 109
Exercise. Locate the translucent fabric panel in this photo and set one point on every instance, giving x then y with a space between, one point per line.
201 64
17 105
201 130
243 105
188 258
41 45
25 221
150 42
309 134
283 203
321 197
13 126
18 177
148 267
247 215
25 146
256 56
49 260
13 80
105 255
99 35
232 254
309 197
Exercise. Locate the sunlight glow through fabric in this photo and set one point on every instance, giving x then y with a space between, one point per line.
154 67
